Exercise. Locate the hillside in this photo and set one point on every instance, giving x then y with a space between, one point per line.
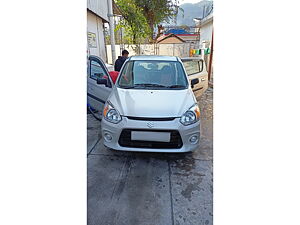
192 11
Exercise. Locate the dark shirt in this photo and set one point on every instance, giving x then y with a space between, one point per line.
119 63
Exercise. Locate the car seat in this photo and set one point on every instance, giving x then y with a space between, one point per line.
167 77
140 74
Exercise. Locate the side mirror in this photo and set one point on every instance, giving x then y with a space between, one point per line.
102 81
194 81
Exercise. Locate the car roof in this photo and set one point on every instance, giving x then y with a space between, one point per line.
153 57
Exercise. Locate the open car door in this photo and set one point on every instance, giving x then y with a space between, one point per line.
196 69
99 84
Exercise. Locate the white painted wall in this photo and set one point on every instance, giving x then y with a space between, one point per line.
95 25
206 32
181 50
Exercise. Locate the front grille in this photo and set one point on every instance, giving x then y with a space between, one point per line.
151 118
125 140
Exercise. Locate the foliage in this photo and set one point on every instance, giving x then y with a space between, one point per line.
142 16
134 22
158 11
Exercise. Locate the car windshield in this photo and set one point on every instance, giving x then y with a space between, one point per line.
153 75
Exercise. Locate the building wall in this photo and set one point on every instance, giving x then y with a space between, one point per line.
180 49
170 40
99 7
206 32
95 26
205 39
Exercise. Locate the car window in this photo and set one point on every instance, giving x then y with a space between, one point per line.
159 74
192 67
97 70
126 78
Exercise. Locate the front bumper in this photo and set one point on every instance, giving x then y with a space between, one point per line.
186 132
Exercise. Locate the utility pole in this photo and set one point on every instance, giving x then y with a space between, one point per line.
111 30
121 40
198 37
211 54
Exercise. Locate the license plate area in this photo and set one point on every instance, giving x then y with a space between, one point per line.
150 136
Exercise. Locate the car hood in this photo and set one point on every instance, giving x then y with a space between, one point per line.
152 103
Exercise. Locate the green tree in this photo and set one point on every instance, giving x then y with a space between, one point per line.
134 22
158 11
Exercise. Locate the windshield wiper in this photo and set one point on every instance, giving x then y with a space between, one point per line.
150 85
127 87
176 86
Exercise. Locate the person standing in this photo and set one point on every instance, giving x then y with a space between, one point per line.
121 59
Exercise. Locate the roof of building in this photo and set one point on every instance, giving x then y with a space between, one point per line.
154 57
186 35
163 37
205 20
177 31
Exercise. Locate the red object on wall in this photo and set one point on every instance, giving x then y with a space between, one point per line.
114 75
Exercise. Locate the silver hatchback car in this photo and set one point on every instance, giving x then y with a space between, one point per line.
151 107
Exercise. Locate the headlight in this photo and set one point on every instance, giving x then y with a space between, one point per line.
111 114
191 116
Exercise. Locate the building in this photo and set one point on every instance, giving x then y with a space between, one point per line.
189 37
206 40
97 16
169 39
206 28
174 36
183 34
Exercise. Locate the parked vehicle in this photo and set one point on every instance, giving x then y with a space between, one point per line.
97 94
151 107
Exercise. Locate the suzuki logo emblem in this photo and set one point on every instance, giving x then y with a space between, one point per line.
150 124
